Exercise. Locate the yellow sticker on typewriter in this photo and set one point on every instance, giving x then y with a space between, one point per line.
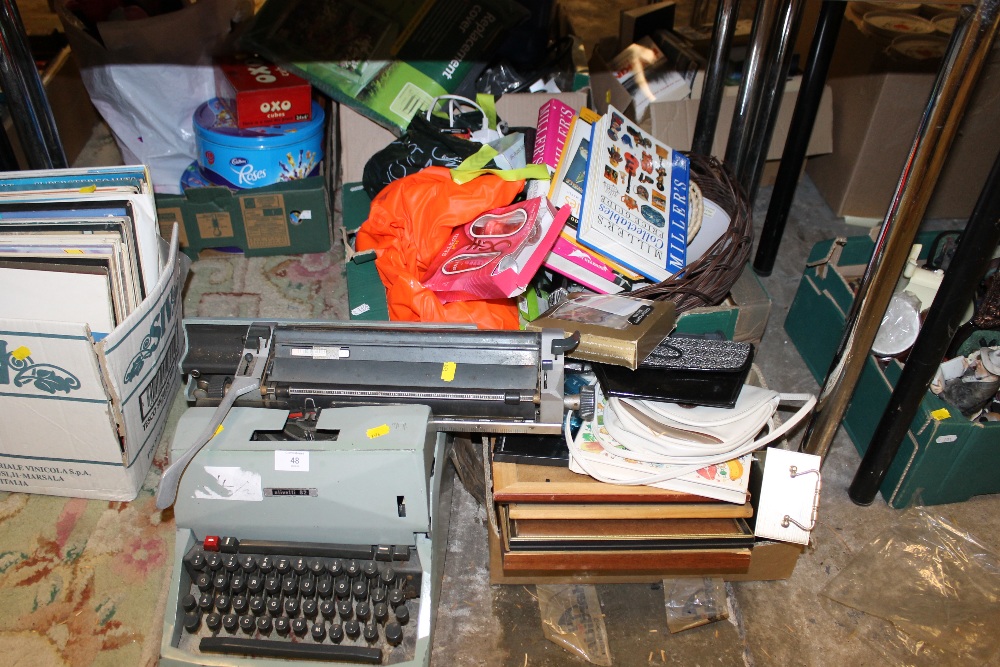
21 353
377 431
448 369
941 414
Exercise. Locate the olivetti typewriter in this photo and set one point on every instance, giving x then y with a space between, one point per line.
305 482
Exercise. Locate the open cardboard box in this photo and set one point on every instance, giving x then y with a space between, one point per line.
877 106
673 122
81 418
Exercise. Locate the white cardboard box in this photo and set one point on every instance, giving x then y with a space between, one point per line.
83 419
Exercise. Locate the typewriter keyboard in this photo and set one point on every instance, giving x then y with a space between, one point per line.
300 600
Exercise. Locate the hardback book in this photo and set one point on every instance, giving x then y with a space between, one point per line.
569 233
583 267
566 188
614 329
635 204
555 118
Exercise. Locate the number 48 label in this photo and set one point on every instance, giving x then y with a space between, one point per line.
291 461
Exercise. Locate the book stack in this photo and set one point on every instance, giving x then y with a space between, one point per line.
551 522
570 258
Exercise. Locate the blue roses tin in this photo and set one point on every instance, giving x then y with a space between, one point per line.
258 156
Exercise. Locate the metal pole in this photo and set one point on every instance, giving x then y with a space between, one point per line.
749 95
29 107
962 65
715 77
779 62
967 267
799 132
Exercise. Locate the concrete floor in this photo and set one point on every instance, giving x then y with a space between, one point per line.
770 623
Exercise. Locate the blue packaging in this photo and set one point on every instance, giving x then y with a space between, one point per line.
257 156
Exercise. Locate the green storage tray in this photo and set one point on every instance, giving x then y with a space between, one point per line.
942 459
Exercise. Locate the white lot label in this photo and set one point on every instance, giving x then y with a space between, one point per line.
291 461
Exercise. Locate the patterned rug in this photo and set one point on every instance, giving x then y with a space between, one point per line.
83 582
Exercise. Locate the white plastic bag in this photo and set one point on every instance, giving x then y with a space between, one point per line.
149 76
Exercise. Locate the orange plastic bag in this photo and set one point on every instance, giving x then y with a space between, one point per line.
410 221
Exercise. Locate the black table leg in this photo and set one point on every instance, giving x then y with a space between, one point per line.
799 132
29 107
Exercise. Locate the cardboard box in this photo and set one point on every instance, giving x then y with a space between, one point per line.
941 459
360 138
260 93
877 106
286 218
81 418
673 122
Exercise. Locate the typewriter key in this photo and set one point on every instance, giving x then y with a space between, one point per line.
257 605
192 620
248 624
336 633
274 606
324 586
360 589
230 622
291 606
255 583
393 633
318 631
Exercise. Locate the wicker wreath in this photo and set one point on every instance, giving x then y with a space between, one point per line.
707 280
